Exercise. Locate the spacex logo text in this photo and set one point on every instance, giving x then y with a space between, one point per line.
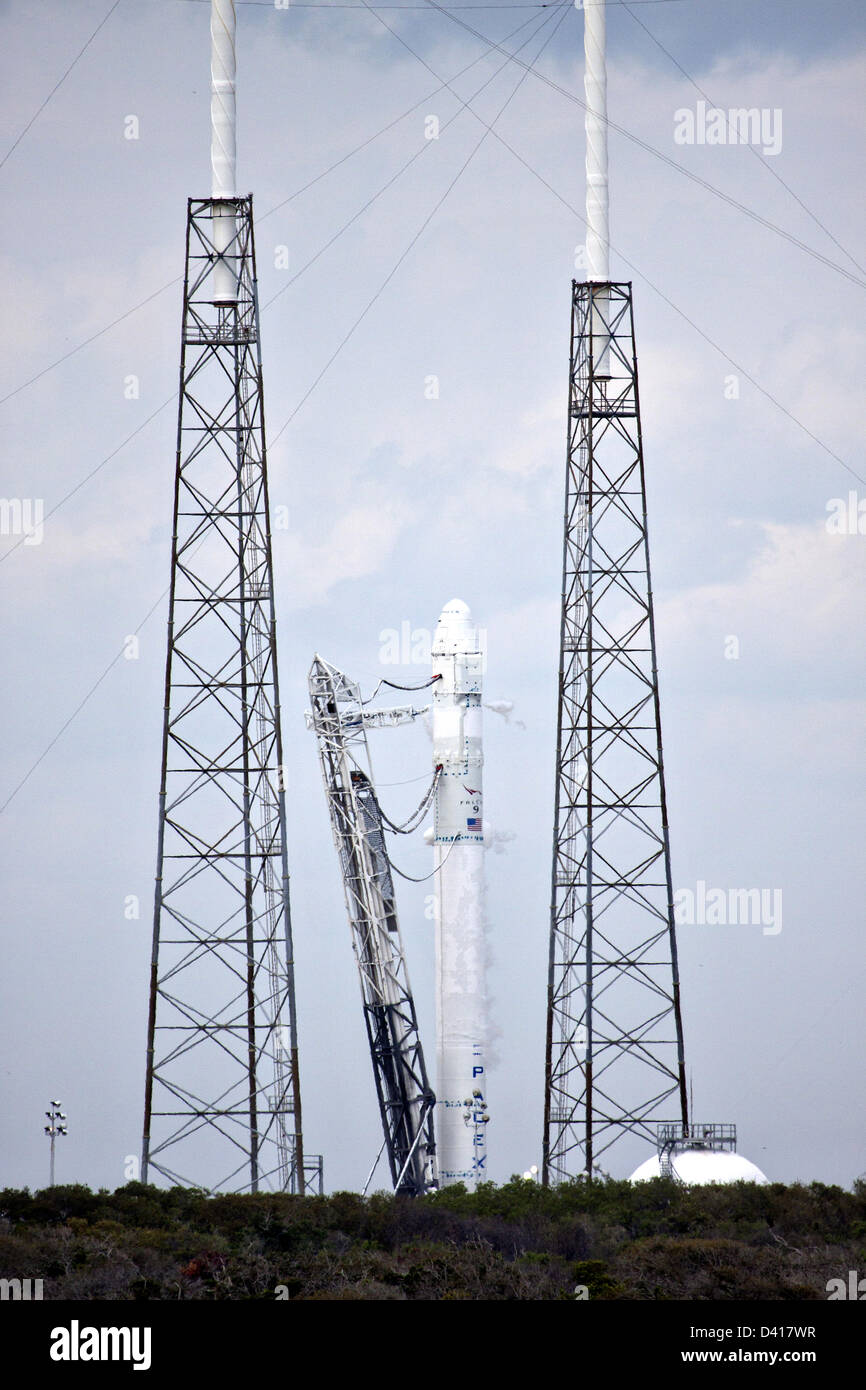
76 1343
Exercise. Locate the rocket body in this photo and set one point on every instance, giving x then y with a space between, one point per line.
458 847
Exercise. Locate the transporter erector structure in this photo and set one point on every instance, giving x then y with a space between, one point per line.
406 1102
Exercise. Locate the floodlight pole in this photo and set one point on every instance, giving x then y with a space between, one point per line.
52 1129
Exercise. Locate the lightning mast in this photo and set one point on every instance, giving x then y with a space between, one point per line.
222 1094
614 1049
406 1102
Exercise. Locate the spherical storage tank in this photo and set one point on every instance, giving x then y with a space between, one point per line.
699 1166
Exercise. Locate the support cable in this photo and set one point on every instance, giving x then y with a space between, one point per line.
58 84
768 395
521 160
491 45
680 312
666 159
661 294
756 152
423 227
443 86
422 149
170 400
428 219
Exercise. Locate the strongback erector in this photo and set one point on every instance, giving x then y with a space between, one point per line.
340 721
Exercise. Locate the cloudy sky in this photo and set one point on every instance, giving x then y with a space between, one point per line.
451 257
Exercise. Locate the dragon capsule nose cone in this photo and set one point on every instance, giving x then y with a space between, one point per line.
455 629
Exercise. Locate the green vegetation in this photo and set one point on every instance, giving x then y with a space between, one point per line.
655 1240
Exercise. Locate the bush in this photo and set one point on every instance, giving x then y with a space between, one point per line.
519 1241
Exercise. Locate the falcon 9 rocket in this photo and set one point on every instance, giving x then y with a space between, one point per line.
458 848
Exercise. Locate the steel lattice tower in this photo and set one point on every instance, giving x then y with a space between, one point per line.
614 1056
222 1100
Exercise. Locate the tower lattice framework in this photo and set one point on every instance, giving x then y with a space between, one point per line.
614 1055
406 1100
222 1097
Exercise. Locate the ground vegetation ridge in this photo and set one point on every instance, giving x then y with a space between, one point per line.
604 1240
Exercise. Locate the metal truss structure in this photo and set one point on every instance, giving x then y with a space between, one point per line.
614 1055
674 1139
222 1097
406 1102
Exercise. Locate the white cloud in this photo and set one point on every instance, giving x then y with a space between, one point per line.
356 544
797 610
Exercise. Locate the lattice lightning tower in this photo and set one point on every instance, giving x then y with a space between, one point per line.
614 1055
222 1097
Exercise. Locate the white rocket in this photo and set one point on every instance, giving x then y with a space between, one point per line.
458 848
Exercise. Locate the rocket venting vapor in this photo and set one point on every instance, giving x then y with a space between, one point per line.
222 146
458 848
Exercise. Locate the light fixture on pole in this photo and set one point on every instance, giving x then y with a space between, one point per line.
55 1126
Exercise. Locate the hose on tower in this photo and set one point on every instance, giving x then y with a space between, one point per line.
410 879
425 685
418 814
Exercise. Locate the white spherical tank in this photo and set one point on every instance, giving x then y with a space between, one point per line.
696 1167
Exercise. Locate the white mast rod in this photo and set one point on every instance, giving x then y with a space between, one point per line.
222 148
595 86
222 98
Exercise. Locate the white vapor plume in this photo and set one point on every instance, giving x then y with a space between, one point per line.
505 708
